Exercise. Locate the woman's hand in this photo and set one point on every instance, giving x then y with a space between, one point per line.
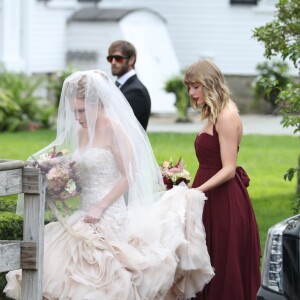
94 214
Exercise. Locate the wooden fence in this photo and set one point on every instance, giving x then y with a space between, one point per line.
27 254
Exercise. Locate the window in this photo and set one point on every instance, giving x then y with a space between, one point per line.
243 2
89 0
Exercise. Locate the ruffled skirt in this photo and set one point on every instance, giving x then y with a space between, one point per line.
165 256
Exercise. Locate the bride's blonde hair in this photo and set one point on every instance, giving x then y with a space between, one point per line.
79 88
215 90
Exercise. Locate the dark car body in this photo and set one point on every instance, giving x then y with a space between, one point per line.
281 269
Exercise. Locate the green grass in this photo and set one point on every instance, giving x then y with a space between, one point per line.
265 159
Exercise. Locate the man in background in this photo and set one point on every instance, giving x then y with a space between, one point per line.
122 57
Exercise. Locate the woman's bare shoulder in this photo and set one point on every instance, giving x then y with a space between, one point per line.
229 120
229 113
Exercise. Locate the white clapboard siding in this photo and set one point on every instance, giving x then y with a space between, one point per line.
92 36
47 38
147 31
197 28
213 29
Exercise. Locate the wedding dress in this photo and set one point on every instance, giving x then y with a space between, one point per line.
151 246
110 263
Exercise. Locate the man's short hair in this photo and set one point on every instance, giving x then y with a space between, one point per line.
126 48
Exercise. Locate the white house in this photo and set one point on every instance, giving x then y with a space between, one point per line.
90 31
44 36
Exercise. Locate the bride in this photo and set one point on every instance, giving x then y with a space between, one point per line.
126 238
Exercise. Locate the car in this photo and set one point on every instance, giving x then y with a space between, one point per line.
281 263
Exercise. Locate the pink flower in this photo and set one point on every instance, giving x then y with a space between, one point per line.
165 164
52 174
174 174
62 181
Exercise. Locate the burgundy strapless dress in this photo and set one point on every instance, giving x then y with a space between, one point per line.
231 229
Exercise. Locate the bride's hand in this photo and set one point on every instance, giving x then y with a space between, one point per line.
93 215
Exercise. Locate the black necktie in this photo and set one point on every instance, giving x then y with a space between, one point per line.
117 83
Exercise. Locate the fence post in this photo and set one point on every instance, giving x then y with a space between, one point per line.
32 247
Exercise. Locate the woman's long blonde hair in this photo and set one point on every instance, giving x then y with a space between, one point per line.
215 90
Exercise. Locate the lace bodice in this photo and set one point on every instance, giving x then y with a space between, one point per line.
98 172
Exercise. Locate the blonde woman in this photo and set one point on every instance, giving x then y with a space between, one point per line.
228 217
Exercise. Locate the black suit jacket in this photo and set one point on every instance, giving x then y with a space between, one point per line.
139 99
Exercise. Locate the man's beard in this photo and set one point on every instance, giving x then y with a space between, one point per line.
120 71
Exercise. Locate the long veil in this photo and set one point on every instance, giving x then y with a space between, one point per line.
164 251
109 123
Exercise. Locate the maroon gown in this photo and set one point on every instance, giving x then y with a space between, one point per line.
231 229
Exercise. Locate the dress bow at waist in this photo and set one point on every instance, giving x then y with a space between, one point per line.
243 175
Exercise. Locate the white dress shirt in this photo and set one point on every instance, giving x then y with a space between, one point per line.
121 80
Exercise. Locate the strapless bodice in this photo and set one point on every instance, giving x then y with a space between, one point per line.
98 173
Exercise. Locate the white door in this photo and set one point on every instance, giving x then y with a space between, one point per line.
156 58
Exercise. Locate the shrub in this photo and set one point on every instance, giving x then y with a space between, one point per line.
11 228
271 70
55 84
20 108
2 286
176 86
8 203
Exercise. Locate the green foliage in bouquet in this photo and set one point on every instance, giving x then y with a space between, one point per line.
20 107
176 86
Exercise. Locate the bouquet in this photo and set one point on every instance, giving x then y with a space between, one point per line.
174 174
62 182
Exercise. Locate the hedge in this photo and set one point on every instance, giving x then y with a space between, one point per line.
11 228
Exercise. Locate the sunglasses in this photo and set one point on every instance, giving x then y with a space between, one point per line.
117 58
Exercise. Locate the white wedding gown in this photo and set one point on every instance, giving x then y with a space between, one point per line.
110 261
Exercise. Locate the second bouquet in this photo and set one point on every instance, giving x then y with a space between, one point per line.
174 174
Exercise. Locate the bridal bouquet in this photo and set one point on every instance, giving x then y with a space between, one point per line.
62 181
174 174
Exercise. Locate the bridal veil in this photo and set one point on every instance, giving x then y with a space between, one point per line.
121 130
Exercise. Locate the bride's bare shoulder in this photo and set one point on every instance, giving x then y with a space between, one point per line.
109 124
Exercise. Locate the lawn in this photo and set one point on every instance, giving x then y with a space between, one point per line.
265 158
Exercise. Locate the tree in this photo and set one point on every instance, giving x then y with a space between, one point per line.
282 37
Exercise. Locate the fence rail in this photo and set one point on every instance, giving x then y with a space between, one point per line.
27 255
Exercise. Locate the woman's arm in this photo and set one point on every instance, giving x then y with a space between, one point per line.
229 130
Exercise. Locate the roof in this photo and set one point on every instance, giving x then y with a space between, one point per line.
93 14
